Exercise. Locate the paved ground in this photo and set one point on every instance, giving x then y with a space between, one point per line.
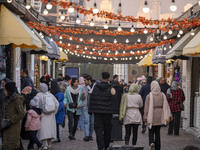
168 142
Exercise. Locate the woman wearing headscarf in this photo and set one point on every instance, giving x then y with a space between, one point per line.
49 105
60 115
129 112
12 114
175 97
156 114
73 103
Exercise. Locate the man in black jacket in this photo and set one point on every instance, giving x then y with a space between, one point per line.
102 103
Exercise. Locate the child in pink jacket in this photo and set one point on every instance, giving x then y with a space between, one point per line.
33 124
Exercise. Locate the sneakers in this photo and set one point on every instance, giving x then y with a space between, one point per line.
87 138
71 137
41 148
91 138
152 146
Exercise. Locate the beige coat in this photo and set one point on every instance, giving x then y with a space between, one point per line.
158 108
133 115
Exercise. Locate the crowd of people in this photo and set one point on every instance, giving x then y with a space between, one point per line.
88 105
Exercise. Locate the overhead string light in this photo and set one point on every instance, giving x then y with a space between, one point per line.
119 10
181 32
127 40
145 8
138 40
192 32
145 30
71 9
95 9
132 29
91 23
106 25
165 37
151 39
92 40
178 35
103 40
62 17
115 41
170 31
78 21
49 5
173 6
28 4
199 2
119 29
81 39
45 12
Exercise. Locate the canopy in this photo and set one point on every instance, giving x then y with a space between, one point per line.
14 30
56 51
63 56
159 55
147 60
46 48
177 50
193 47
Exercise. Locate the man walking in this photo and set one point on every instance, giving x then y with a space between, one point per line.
27 81
101 104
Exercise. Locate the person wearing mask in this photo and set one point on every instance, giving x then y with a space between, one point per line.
156 113
129 112
102 103
60 115
32 124
12 114
89 127
73 103
27 81
144 91
175 97
49 105
163 85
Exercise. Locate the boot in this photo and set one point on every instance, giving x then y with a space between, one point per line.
126 142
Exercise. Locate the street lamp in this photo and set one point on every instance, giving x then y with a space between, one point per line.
173 7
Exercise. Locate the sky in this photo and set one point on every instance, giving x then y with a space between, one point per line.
131 7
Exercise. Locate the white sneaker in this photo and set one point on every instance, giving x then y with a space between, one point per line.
152 146
45 148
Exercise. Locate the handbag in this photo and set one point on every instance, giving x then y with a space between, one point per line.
72 105
5 124
182 107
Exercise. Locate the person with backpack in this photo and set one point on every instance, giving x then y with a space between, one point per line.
73 103
60 115
49 105
32 124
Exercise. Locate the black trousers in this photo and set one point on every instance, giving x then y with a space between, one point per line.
102 127
175 123
57 130
33 140
142 114
155 131
128 133
72 122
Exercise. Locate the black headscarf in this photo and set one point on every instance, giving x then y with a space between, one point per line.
55 88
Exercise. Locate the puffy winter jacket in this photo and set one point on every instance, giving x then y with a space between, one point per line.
33 121
101 99
60 116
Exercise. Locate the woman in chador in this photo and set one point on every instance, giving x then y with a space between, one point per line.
129 111
156 113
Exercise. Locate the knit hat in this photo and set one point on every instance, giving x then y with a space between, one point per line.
35 102
10 86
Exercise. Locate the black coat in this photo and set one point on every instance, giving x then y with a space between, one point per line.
101 99
164 87
119 91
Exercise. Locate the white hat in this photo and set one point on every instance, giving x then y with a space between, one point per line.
35 102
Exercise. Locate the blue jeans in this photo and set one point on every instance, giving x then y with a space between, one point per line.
88 122
81 122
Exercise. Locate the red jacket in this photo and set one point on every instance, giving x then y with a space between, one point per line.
177 97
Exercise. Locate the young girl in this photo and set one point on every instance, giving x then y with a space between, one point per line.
33 123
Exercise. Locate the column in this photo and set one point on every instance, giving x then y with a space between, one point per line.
16 67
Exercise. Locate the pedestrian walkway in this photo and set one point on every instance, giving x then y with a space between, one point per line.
168 142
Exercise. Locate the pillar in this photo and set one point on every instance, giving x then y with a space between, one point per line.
17 67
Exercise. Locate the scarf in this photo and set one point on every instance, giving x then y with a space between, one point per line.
74 90
166 113
174 86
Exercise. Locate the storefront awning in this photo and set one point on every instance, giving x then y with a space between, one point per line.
46 48
63 56
193 47
177 51
56 51
14 30
159 55
147 60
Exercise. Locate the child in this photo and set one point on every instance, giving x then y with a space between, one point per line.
33 124
60 116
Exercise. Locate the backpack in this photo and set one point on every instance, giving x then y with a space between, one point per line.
49 104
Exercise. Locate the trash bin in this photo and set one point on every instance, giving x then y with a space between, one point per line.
116 133
126 147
